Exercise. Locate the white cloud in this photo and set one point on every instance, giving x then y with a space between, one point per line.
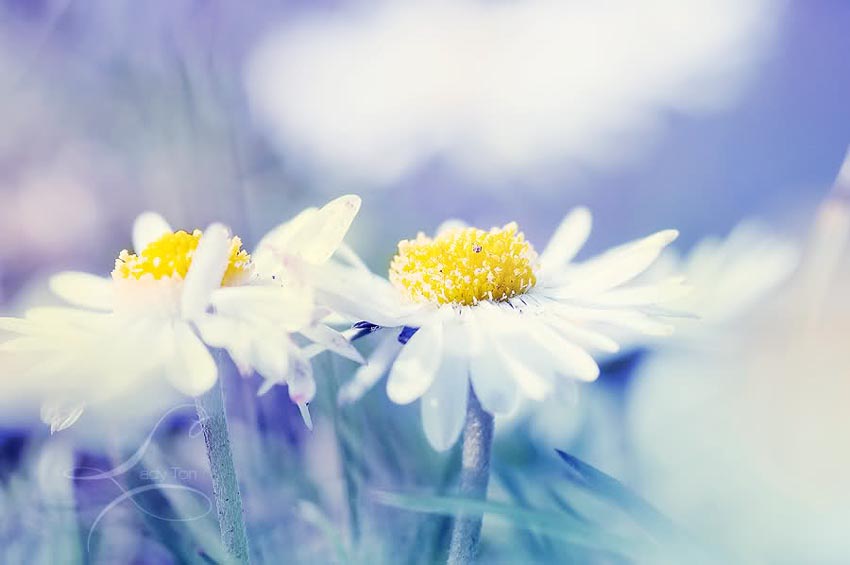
496 88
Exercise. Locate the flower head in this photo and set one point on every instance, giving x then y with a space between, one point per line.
174 297
475 310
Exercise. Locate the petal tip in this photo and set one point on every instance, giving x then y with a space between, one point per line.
352 201
582 212
668 236
305 415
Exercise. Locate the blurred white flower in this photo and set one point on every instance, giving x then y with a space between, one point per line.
163 306
497 88
480 308
743 436
728 277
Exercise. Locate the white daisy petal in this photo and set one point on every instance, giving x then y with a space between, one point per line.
311 350
16 325
63 318
619 317
277 241
568 239
358 295
491 376
266 386
327 229
668 290
286 308
206 271
616 266
643 323
148 227
191 367
22 344
229 334
83 289
305 415
271 356
60 415
302 386
314 235
583 336
494 383
345 253
376 367
416 365
506 333
216 331
332 340
568 358
443 405
533 375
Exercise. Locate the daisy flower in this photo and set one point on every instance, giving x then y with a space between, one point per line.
475 312
471 321
171 300
163 308
115 331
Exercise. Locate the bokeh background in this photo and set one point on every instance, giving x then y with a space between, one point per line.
695 115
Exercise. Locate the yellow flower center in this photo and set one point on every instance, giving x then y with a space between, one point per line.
171 255
465 266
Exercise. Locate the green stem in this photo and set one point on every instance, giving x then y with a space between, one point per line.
228 500
474 476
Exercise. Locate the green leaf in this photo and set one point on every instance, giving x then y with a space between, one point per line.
555 524
658 526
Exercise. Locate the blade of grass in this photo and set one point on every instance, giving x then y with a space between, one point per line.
312 514
555 524
609 488
511 484
658 526
348 450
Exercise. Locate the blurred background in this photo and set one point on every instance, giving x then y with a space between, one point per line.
696 115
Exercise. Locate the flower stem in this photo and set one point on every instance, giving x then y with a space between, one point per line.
474 476
228 500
